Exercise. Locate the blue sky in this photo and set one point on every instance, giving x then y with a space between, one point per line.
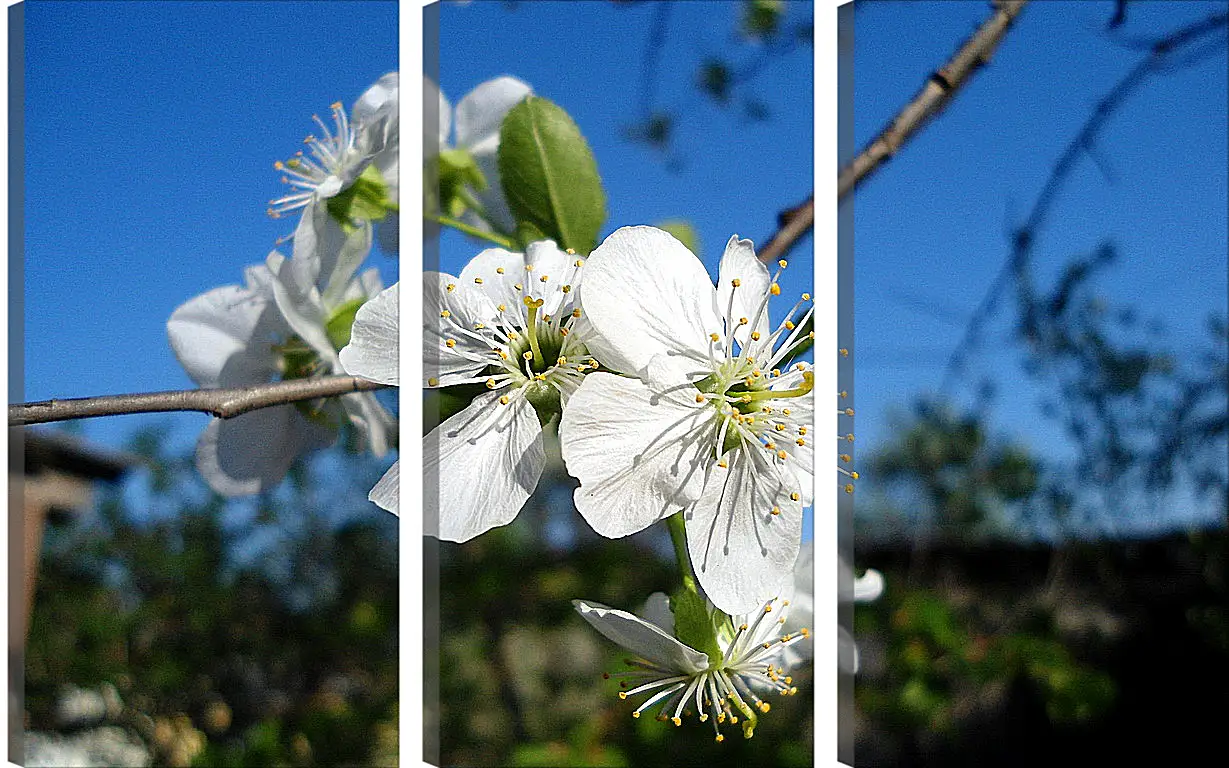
151 129
151 132
931 227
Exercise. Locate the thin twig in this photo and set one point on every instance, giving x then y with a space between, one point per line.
1164 53
792 225
221 403
934 96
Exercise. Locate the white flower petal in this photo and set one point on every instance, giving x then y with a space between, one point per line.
639 456
325 256
847 651
483 109
376 113
743 554
370 419
466 307
299 301
385 493
373 352
739 263
488 459
492 199
868 587
642 638
657 611
645 294
251 452
223 338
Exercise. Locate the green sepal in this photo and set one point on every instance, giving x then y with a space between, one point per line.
341 321
545 400
695 625
549 175
365 200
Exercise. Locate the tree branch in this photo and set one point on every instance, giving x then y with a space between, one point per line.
1163 53
221 403
792 224
938 90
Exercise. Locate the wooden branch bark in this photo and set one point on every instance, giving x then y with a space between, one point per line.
221 403
934 96
792 224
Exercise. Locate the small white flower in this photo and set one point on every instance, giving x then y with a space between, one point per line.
286 322
231 337
506 322
340 158
683 680
712 427
373 354
477 120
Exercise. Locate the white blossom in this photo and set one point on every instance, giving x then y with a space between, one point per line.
507 323
711 427
286 322
476 122
358 156
373 354
680 680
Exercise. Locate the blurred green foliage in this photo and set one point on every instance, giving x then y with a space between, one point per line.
238 634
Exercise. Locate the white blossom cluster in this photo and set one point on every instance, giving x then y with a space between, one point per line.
675 399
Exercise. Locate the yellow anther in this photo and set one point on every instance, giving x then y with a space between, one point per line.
811 335
800 442
720 738
736 282
578 262
502 307
782 263
479 326
699 398
849 437
795 496
849 488
636 715
848 411
782 455
622 694
770 446
451 343
528 267
774 289
768 608
755 335
843 393
765 706
450 287
570 251
499 270
528 355
845 457
755 374
776 510
676 720
802 430
854 475
518 286
844 352
789 325
433 382
502 354
777 372
561 361
575 313
806 297
490 384
780 427
445 313
742 321
478 280
566 289
714 337
785 411
723 464
543 278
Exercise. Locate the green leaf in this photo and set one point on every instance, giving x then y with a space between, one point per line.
693 624
683 232
549 175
